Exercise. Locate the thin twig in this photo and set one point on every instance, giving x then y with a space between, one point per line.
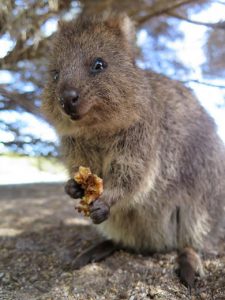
220 2
204 83
219 25
162 9
24 100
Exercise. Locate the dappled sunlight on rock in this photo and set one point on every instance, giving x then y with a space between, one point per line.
77 221
8 232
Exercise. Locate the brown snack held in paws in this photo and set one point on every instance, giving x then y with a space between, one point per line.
93 188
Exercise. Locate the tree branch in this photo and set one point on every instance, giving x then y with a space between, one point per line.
163 8
219 25
21 52
24 100
220 2
203 83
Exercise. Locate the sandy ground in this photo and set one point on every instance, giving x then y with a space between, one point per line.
40 234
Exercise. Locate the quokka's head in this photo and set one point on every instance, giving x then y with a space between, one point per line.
93 80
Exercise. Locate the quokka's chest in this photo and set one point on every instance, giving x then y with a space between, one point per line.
93 156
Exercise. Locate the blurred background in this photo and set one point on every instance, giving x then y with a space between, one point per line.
182 39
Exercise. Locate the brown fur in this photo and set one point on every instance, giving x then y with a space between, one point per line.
155 147
190 265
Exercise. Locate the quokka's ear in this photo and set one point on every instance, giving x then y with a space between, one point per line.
61 24
122 23
65 28
127 27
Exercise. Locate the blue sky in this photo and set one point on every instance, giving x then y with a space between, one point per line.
189 51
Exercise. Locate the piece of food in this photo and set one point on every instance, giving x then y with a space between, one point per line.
93 188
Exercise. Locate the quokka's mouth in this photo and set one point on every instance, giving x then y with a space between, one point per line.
75 117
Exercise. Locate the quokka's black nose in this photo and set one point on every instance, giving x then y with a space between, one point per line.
68 100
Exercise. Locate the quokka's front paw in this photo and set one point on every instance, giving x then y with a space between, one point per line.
73 189
99 211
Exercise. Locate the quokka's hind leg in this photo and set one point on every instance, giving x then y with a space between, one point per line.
94 254
190 265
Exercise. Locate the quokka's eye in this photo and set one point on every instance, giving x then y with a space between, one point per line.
98 65
54 75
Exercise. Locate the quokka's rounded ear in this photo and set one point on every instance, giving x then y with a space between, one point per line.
65 28
127 26
123 24
61 24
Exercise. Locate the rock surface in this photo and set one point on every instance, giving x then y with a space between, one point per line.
40 234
